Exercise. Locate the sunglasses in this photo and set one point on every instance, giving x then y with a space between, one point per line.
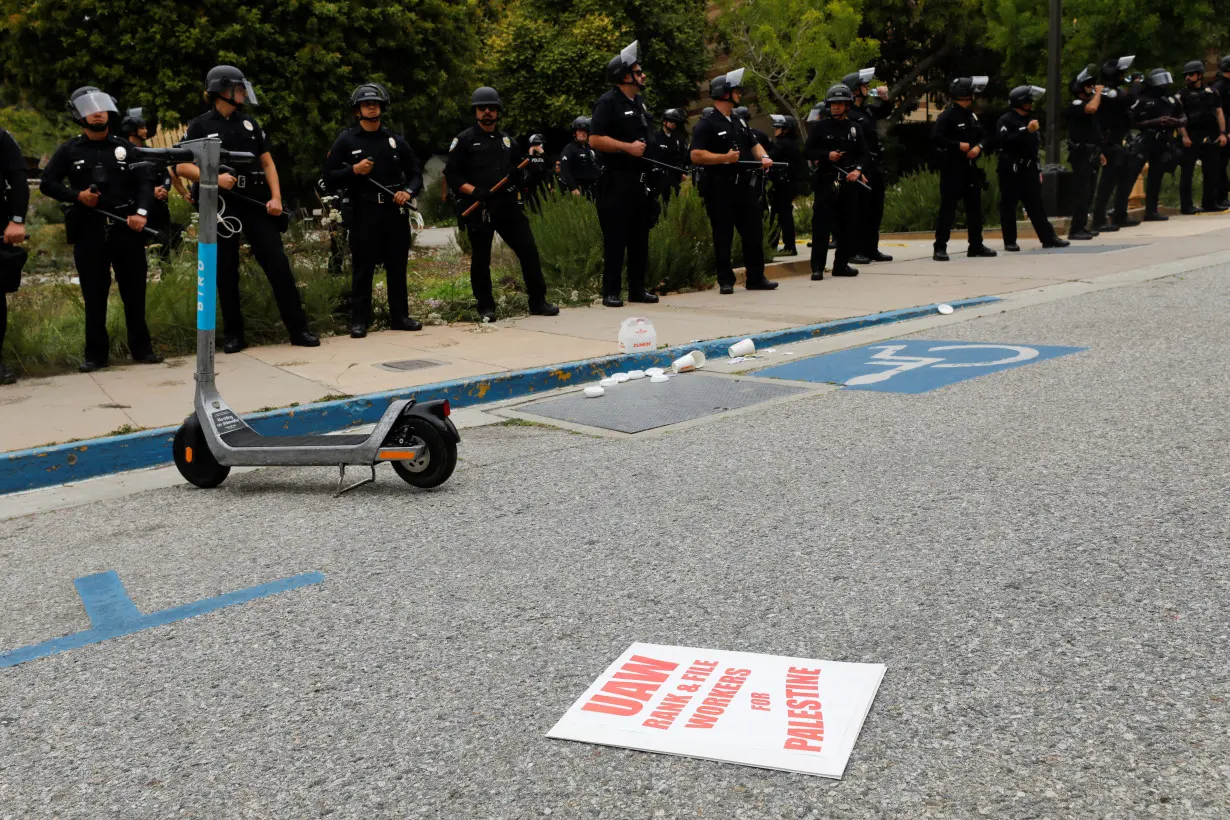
638 72
485 108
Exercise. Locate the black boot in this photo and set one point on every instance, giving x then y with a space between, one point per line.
980 251
940 255
405 323
761 284
846 271
612 301
1080 235
89 367
1056 243
306 338
876 256
543 308
1156 217
1105 228
858 259
7 376
148 358
817 275
644 296
234 344
1011 247
357 331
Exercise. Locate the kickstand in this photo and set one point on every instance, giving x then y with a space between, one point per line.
341 478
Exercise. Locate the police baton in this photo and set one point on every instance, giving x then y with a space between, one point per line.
668 166
843 171
390 192
254 201
118 218
494 188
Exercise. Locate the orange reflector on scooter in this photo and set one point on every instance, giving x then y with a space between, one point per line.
188 454
398 455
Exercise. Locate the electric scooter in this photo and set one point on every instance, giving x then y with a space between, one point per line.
418 439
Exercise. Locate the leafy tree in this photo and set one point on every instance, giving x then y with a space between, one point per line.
1159 33
924 44
303 56
794 49
547 58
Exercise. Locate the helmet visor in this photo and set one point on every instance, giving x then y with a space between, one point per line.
1036 91
1084 77
94 102
1161 78
866 75
980 82
1126 62
734 79
631 55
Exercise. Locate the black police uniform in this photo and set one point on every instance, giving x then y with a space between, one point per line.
1222 86
240 132
960 177
786 178
836 204
732 196
482 159
871 203
535 179
379 228
1085 157
1019 181
1200 105
101 244
578 168
1156 145
672 149
14 201
1120 172
627 207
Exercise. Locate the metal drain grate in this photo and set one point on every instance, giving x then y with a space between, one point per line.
1076 247
408 364
637 406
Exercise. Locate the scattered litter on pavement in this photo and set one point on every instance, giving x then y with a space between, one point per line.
689 361
744 348
609 382
636 374
620 377
637 335
945 309
659 378
593 392
654 371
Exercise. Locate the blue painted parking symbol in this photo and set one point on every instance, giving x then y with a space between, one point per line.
112 613
913 365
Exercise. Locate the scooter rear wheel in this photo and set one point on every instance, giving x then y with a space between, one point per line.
192 456
435 466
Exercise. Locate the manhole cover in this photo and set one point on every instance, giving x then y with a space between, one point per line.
636 406
1076 247
409 364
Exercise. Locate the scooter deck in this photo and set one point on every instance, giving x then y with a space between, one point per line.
249 438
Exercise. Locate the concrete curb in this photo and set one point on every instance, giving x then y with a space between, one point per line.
64 463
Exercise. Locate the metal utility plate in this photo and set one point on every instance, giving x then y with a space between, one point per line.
408 364
1077 247
637 406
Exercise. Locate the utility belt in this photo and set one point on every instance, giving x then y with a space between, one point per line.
78 217
623 174
373 196
1021 166
1083 151
250 179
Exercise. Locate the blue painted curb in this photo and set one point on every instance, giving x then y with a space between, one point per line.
79 460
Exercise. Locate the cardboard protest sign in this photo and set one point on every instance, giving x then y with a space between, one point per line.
794 714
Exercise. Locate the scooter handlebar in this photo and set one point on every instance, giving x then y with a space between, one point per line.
178 154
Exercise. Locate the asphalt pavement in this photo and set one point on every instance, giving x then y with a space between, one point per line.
1040 556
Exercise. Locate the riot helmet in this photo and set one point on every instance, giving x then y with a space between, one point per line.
839 93
1086 78
964 88
1114 68
742 113
857 79
370 93
1224 65
709 109
721 86
89 100
1194 67
621 64
134 120
1159 80
675 115
581 123
536 139
221 82
1024 95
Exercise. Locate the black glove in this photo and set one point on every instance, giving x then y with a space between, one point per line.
480 195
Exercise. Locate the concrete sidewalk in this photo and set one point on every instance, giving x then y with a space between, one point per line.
72 407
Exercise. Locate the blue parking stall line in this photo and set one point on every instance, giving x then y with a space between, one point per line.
113 614
914 365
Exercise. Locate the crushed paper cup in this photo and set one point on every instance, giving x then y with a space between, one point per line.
654 371
593 392
743 349
620 377
945 309
689 361
636 374
659 378
611 382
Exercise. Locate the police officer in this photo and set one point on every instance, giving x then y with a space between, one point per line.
1222 86
14 201
871 202
731 161
137 130
1119 173
1084 147
1203 137
482 166
536 173
669 146
96 164
838 146
627 207
786 177
254 199
578 164
1020 174
1157 113
379 176
744 113
960 140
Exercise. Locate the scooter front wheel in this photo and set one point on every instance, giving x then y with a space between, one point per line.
432 468
192 456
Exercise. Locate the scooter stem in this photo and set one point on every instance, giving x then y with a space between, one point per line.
209 157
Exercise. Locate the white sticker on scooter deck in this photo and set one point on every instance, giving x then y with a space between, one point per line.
225 421
793 714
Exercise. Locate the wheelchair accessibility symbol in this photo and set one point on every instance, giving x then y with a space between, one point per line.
915 365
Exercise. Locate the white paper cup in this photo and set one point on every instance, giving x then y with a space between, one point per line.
593 392
744 348
611 382
691 361
945 309
659 378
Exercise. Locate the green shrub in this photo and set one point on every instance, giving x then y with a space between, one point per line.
913 203
436 212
